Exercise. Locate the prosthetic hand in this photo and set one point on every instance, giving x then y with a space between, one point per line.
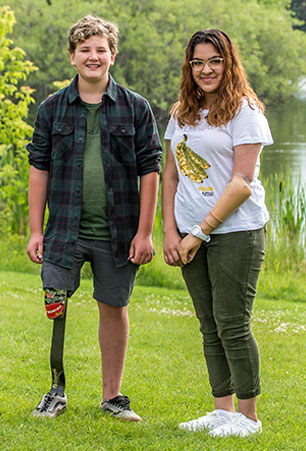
236 192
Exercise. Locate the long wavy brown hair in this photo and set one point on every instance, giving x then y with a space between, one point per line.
233 88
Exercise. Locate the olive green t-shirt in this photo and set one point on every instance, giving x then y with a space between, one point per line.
94 219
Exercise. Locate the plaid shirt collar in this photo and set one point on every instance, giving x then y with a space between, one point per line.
73 92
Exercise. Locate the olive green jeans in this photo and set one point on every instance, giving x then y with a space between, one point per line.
222 281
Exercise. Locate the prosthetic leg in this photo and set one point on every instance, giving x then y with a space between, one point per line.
56 308
54 402
56 356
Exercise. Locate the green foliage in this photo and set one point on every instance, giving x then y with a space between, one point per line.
42 31
298 8
15 132
278 3
283 285
286 201
292 209
269 46
165 374
152 40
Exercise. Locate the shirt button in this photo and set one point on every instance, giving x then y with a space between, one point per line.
80 140
123 130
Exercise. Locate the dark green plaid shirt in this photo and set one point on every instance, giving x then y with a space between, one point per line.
130 148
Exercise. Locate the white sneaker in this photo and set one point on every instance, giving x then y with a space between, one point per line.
51 405
239 425
210 421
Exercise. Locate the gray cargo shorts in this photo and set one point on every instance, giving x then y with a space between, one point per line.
112 286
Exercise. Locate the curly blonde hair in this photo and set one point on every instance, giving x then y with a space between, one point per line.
93 26
233 88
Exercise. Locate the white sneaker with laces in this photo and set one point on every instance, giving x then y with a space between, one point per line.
209 421
51 405
239 425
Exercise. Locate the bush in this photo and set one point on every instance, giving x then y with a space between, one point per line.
14 131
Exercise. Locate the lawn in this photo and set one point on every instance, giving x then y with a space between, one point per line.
165 374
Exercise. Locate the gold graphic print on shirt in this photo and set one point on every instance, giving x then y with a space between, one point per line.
190 163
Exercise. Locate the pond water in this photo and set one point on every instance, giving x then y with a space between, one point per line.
288 153
286 157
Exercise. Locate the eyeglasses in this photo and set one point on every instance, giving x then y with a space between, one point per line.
213 63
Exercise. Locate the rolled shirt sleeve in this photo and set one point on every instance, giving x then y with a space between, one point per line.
40 147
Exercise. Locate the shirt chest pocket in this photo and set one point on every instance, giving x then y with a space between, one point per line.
62 141
122 139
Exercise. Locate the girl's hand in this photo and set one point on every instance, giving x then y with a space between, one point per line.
171 244
188 248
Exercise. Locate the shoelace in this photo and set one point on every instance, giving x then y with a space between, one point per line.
47 401
121 402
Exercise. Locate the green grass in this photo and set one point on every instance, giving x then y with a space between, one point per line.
165 374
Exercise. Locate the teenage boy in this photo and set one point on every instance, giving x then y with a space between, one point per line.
95 159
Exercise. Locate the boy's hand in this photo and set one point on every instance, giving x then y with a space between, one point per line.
141 250
171 245
35 248
188 248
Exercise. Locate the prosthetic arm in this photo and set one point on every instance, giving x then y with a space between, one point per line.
236 192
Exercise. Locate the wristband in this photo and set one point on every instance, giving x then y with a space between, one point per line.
198 233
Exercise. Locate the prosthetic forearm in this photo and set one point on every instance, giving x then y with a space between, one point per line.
236 192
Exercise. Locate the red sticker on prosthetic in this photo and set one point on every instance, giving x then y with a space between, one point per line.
55 310
55 302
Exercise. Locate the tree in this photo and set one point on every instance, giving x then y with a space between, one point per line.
153 35
42 32
271 49
298 8
14 131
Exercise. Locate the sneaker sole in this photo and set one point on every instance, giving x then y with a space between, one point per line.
117 415
37 414
133 420
233 434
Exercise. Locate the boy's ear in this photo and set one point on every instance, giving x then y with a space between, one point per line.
112 59
72 59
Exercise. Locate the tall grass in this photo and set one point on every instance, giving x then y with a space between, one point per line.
286 201
14 174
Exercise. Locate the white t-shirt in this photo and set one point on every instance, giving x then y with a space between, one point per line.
205 168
